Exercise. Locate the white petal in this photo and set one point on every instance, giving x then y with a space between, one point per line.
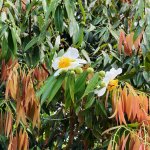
71 53
112 74
100 92
58 72
81 61
74 65
55 63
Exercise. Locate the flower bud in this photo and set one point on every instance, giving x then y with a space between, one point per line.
102 84
78 70
102 73
90 70
63 71
98 87
87 82
72 72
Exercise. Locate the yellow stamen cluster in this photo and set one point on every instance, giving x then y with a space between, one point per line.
112 85
64 62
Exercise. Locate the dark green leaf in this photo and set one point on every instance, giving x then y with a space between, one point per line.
59 19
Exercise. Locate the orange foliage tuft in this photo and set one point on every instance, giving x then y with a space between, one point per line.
20 87
19 142
128 42
131 105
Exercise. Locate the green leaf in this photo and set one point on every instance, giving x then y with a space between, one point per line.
3 30
44 90
113 32
90 101
128 75
12 43
78 38
13 33
58 19
92 84
52 7
146 76
147 62
4 48
55 88
137 33
31 43
70 9
88 119
100 109
50 89
80 82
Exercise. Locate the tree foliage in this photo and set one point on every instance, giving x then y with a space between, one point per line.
39 110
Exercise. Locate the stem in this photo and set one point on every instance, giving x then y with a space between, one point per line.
71 134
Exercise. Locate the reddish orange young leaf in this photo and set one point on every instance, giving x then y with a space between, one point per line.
110 145
124 142
6 122
135 107
21 140
26 142
136 144
129 40
129 106
127 49
23 4
121 39
131 89
120 113
9 125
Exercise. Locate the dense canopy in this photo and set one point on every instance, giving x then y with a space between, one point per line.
75 74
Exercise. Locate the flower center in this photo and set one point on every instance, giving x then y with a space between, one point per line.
64 62
112 85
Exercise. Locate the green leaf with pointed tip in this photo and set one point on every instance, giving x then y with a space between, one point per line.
137 33
31 43
92 84
58 19
80 82
90 100
44 90
55 87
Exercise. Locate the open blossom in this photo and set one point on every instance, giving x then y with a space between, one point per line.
69 60
109 81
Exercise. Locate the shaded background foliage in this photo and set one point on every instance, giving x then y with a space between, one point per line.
33 31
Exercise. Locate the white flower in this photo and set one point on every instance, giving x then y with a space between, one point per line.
109 76
69 60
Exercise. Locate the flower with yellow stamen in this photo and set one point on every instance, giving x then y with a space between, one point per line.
64 62
69 60
109 81
112 85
